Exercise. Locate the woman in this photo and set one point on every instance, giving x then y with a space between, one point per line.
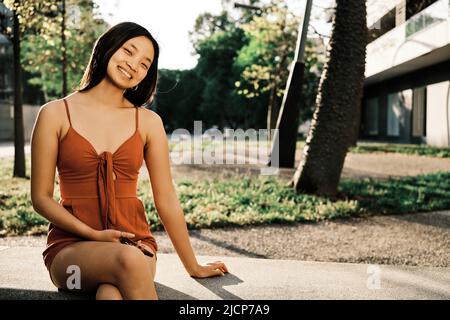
98 138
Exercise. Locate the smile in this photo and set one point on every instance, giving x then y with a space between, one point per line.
125 73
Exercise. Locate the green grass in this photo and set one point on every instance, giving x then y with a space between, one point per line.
400 195
248 201
421 150
16 212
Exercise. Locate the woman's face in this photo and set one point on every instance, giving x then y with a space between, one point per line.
129 65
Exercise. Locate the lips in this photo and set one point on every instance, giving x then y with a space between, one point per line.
125 73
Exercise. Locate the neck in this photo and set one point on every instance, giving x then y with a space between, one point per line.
108 95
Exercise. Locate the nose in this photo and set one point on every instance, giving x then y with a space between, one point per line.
131 67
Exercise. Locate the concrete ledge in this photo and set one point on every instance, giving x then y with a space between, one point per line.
24 276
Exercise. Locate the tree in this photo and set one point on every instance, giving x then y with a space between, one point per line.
338 103
266 58
237 66
217 42
29 20
19 139
56 48
178 98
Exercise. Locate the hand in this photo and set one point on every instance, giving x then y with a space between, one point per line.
212 269
111 235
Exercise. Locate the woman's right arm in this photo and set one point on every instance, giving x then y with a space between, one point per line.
44 152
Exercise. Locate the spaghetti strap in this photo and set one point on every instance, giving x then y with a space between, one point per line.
67 111
137 118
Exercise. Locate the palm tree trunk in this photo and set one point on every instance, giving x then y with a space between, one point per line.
338 101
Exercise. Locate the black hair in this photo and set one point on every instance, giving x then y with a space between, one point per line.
105 46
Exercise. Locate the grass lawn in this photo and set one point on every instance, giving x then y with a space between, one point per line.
243 200
421 150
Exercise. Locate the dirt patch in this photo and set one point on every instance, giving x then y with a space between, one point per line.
356 166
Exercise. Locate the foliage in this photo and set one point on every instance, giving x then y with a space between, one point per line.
244 64
422 150
178 97
41 49
266 58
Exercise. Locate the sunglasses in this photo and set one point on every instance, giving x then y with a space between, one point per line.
132 243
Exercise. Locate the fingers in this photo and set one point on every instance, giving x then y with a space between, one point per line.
213 271
218 272
124 234
219 265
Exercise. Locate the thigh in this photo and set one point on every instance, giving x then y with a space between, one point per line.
151 261
98 262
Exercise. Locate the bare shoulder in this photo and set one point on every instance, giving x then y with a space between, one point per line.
51 116
152 125
52 107
150 120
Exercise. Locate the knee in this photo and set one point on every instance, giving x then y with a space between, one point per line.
130 261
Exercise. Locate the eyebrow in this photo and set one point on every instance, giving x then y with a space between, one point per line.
134 47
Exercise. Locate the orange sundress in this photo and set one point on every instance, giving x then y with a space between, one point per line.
99 189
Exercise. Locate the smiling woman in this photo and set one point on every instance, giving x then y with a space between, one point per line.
126 50
98 164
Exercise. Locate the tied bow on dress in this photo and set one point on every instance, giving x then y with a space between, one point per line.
106 189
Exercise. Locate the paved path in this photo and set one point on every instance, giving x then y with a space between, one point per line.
23 276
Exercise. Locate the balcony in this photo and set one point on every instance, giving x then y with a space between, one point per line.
421 41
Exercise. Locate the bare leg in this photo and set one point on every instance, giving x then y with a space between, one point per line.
107 291
120 265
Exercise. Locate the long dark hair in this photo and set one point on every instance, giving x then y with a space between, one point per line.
105 46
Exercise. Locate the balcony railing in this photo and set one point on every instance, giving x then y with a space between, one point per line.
435 13
424 32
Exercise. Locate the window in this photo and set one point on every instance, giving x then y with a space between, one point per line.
371 116
415 6
426 16
382 26
419 112
394 111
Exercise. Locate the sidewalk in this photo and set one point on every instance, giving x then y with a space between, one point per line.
23 276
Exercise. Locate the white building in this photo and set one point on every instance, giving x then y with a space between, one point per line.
407 87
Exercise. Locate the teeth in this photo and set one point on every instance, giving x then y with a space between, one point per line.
125 73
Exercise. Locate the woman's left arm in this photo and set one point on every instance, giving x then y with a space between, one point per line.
166 201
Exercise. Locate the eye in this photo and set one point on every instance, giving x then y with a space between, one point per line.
145 67
127 51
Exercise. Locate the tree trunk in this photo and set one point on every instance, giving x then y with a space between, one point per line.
19 143
63 48
357 124
338 101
